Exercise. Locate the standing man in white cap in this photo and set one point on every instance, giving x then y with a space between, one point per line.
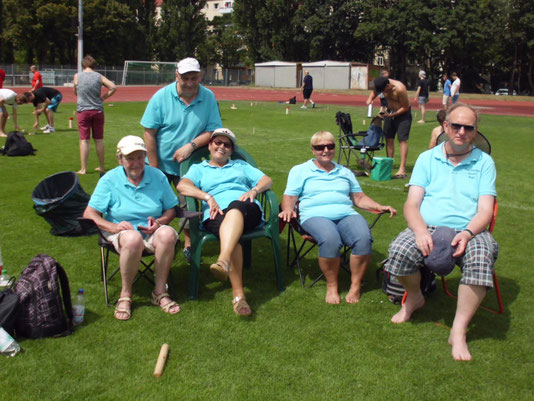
422 95
178 119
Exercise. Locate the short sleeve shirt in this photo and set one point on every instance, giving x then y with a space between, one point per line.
451 193
423 84
9 96
178 124
225 184
44 93
447 88
37 77
119 200
322 193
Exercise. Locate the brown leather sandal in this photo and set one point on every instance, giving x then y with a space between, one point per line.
220 270
156 300
241 306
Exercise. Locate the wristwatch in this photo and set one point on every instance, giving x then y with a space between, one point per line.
193 145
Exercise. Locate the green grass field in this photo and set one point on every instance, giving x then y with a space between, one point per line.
295 347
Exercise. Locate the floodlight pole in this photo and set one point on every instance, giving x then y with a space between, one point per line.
80 34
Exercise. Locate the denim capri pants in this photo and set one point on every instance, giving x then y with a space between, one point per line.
330 235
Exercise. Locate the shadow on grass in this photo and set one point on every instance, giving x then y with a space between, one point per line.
441 309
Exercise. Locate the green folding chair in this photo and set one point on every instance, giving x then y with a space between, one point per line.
199 237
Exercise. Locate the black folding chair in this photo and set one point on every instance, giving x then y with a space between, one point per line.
147 259
295 231
360 145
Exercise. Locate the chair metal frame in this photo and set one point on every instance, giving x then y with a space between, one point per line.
348 145
199 237
145 266
295 229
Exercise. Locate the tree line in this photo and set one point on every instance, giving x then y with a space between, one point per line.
476 38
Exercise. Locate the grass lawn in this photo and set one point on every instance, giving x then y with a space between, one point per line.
295 347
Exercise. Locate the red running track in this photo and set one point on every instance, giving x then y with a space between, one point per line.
144 93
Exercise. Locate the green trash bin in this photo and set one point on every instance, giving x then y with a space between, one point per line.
382 167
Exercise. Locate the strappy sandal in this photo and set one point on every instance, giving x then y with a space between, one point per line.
241 306
220 270
127 311
156 300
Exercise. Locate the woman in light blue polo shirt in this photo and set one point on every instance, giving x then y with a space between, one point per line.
138 204
326 192
228 189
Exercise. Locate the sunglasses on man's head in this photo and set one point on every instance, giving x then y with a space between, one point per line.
218 142
330 146
467 128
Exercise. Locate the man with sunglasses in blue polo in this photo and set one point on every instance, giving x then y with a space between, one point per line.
452 185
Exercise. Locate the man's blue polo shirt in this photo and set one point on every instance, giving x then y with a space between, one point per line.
178 124
451 193
321 193
119 200
225 184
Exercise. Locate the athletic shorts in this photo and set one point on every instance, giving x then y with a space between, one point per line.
54 102
148 241
90 120
422 100
306 93
399 125
476 263
251 213
445 101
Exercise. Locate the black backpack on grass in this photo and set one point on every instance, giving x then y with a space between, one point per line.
9 302
17 145
394 289
41 312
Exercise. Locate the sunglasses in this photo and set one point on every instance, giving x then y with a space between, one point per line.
320 148
218 142
467 128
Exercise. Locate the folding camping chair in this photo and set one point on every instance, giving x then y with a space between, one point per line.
481 142
147 259
199 237
363 149
295 231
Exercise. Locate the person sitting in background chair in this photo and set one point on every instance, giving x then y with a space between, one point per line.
327 191
440 116
228 189
138 204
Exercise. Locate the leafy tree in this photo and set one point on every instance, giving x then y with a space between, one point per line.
267 28
224 44
181 31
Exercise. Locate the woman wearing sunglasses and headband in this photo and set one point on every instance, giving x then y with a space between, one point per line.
327 192
228 189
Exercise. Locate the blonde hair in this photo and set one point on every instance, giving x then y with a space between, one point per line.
320 136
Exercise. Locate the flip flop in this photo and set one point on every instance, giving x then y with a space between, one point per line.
127 311
220 270
399 176
241 306
156 300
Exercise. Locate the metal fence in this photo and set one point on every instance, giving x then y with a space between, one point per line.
54 75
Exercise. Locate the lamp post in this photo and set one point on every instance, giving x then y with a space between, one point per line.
80 34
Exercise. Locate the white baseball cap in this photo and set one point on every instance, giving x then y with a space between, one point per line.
224 132
189 64
130 144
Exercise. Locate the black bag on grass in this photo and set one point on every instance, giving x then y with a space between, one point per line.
41 312
394 289
17 145
61 201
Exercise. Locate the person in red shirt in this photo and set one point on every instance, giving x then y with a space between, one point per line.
2 77
37 80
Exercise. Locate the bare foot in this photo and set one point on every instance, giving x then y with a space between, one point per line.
409 307
332 296
102 170
80 172
460 351
354 294
2 134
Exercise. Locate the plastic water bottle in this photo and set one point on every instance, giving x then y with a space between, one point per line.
370 111
78 309
8 345
5 279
